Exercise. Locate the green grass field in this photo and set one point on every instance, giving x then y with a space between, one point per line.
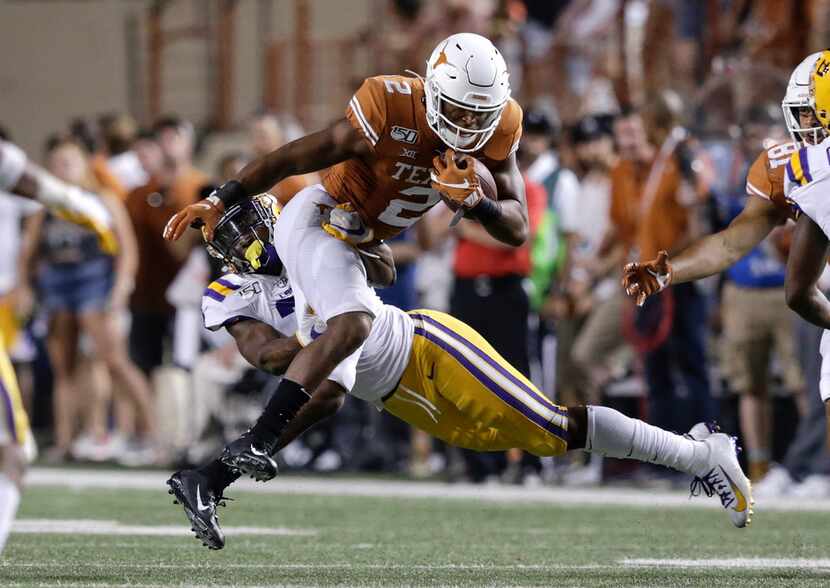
361 541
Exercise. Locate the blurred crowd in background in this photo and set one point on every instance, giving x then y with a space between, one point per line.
631 145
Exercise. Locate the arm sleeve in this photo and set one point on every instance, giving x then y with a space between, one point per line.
367 110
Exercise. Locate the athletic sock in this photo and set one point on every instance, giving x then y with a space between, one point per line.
9 499
613 434
219 475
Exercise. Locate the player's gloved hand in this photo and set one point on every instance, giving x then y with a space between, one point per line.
641 280
344 223
309 327
106 236
457 184
204 214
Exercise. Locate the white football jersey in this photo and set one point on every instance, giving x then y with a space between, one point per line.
807 182
270 299
232 297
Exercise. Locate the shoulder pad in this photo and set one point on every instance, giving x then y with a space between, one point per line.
231 296
505 141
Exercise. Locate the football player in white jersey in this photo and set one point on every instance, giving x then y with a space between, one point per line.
425 367
21 178
807 187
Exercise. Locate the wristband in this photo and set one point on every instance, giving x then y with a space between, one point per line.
229 193
486 211
284 405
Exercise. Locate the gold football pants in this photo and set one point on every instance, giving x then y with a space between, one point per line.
458 389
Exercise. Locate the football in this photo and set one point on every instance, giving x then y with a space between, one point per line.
485 178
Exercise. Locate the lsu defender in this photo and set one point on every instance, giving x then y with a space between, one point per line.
19 177
766 206
807 187
387 170
425 367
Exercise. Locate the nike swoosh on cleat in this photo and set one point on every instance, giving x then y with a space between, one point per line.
258 453
199 504
741 506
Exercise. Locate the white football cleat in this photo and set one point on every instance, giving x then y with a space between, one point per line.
723 476
702 431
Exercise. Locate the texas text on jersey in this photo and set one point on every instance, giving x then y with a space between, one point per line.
391 187
766 176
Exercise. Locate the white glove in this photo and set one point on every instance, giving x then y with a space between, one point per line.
309 327
344 223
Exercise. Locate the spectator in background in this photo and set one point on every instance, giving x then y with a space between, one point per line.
539 161
266 135
81 132
82 289
117 134
174 183
756 319
652 209
582 306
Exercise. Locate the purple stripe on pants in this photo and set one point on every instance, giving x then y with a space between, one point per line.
483 355
505 396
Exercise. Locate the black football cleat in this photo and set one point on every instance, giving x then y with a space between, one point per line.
250 457
191 490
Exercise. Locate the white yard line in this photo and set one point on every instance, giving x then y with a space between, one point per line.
761 563
321 486
101 527
321 566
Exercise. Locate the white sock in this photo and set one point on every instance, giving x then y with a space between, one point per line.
613 434
9 499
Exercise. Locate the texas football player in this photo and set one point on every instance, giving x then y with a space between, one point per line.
806 185
388 170
765 209
425 367
21 178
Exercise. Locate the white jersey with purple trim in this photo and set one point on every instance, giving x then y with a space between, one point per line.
807 182
271 300
233 297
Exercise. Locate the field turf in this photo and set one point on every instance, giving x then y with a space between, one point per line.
395 541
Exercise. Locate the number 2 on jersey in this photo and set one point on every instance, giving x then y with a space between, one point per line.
404 213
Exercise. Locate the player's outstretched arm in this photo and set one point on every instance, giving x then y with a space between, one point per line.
22 178
807 260
716 252
264 347
311 153
706 256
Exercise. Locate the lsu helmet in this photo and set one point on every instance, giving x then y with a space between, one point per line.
467 72
820 88
798 97
242 237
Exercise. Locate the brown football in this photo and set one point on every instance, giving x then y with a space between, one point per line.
485 178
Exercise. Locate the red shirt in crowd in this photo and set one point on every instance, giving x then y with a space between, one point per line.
473 259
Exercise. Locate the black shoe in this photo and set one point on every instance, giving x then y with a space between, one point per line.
192 491
250 457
